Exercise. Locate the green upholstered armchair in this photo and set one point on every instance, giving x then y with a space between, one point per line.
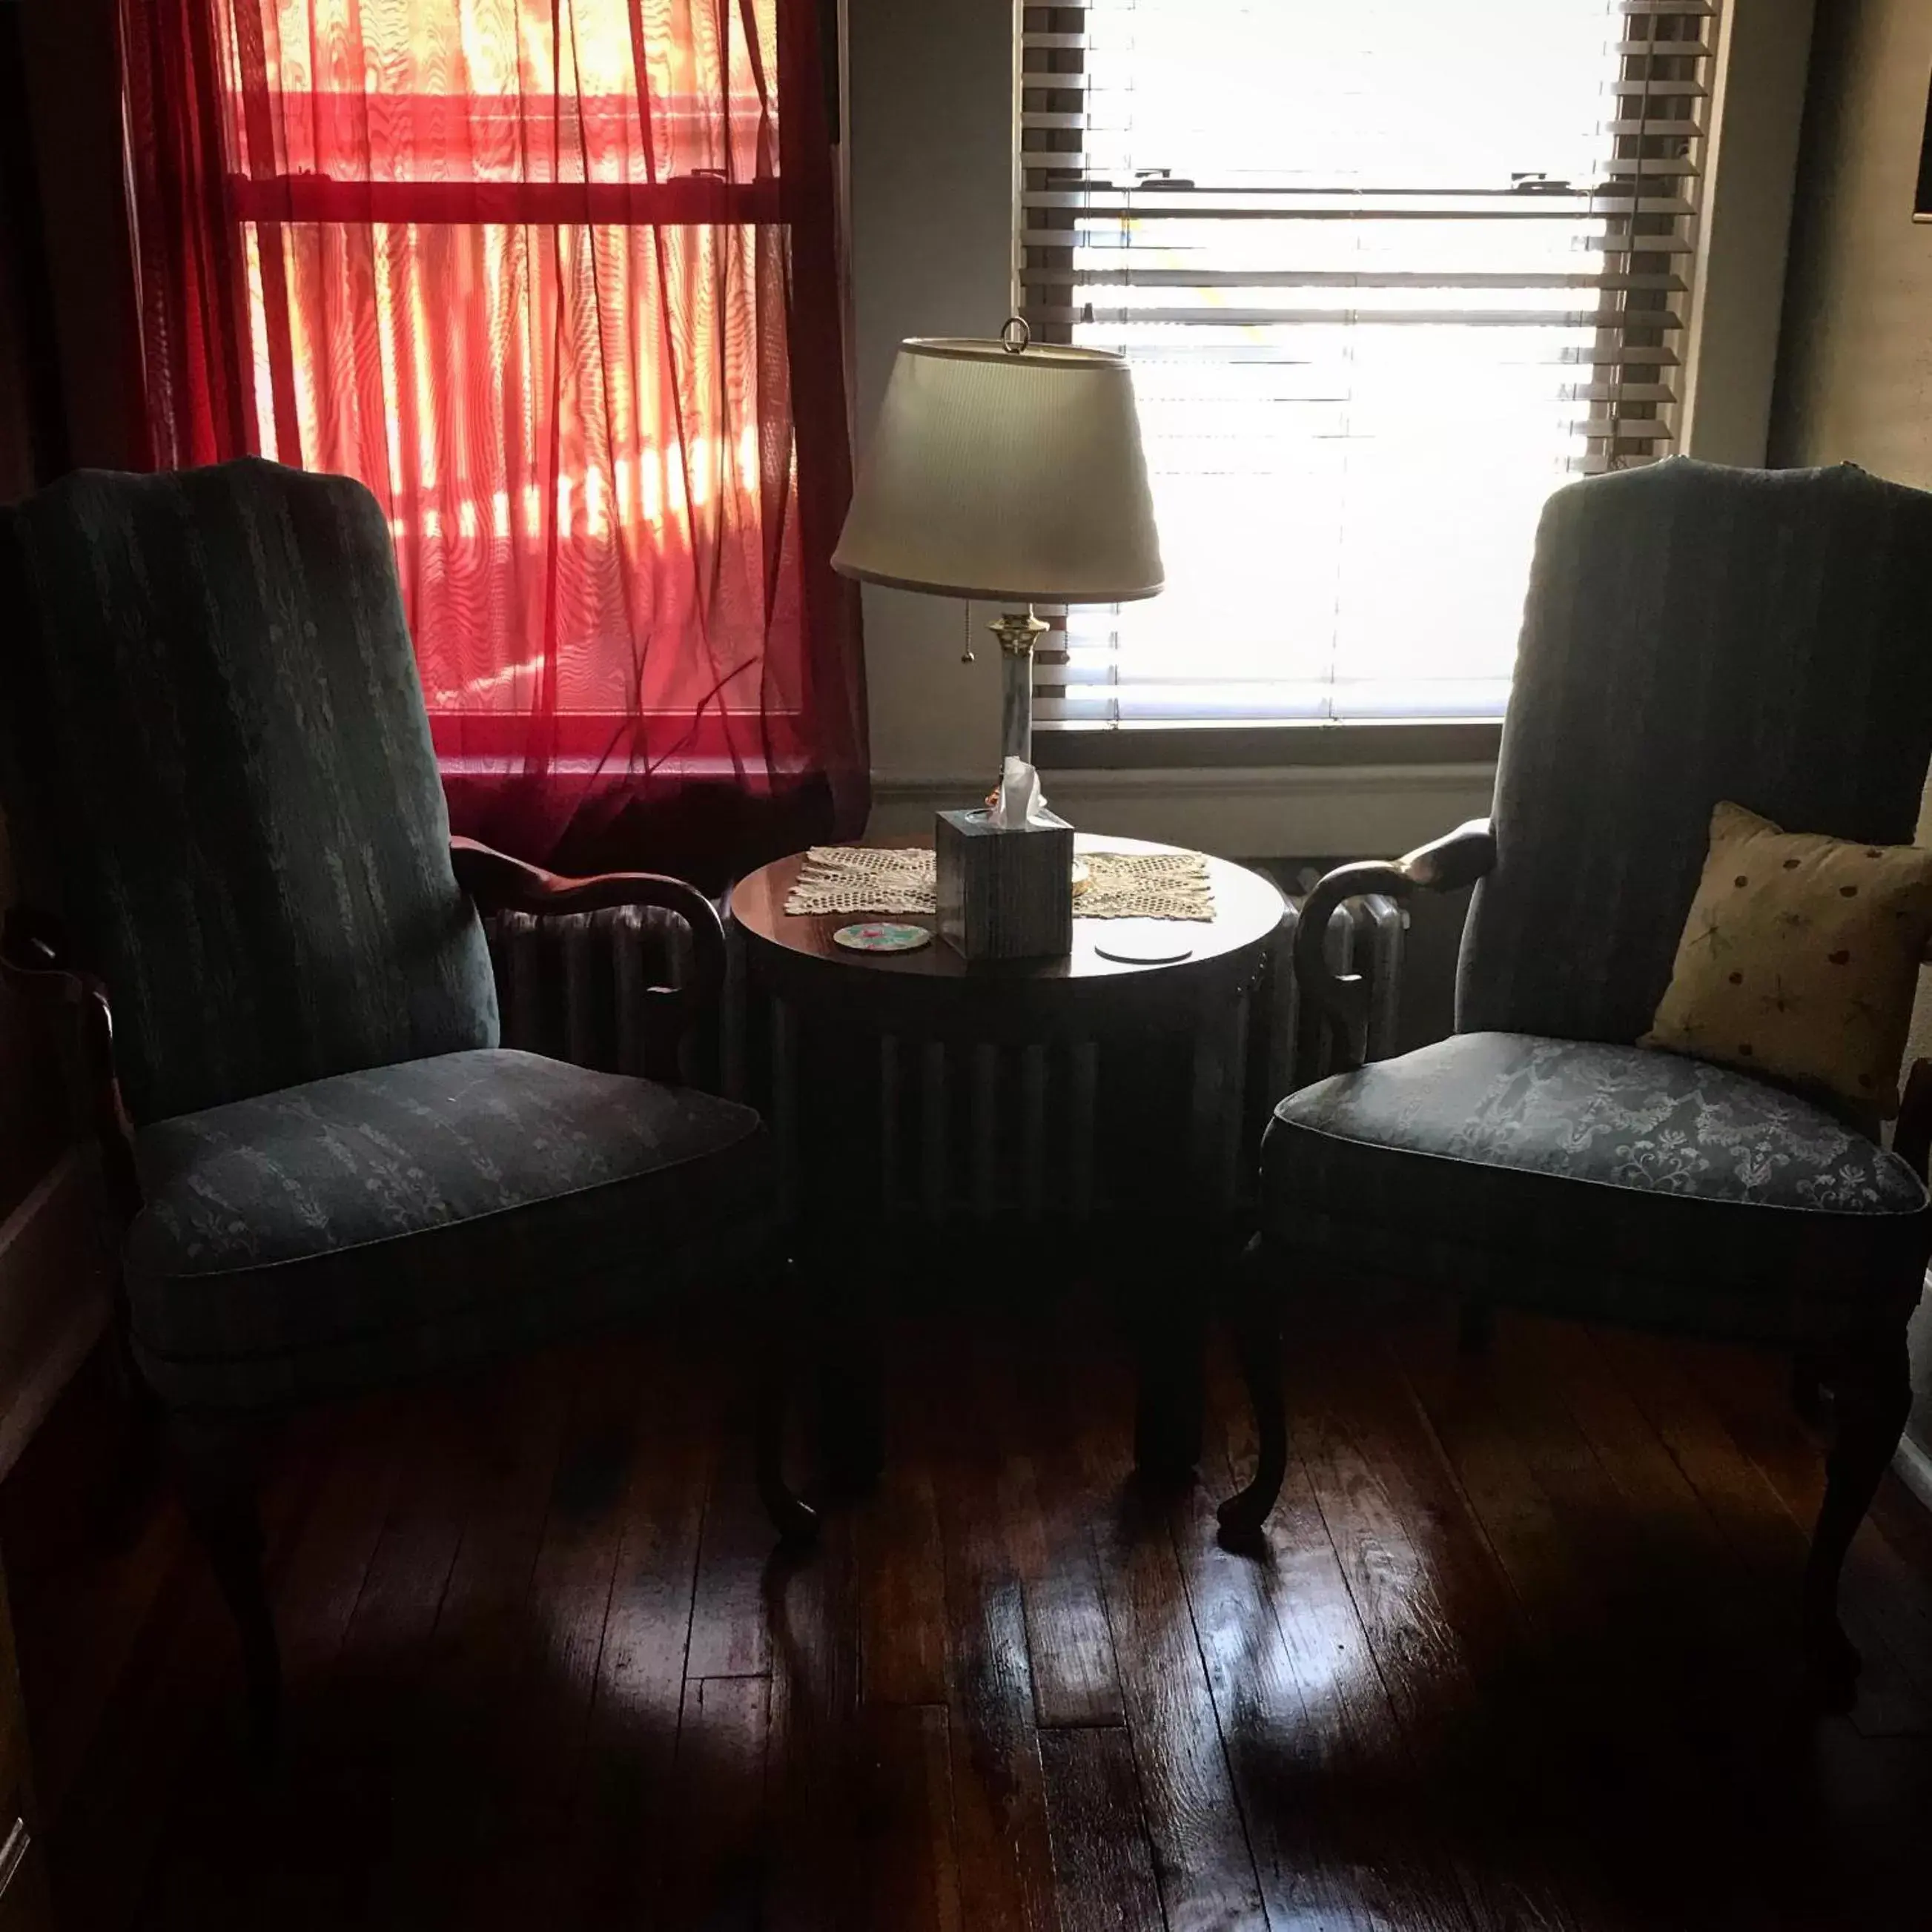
1692 634
216 767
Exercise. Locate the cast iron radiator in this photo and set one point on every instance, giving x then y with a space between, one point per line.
975 1132
1365 936
577 987
928 1132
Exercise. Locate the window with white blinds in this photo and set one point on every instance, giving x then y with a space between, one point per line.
1388 272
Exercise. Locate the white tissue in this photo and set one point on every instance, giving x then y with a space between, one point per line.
1021 801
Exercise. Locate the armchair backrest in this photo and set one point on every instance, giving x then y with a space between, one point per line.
1692 634
216 755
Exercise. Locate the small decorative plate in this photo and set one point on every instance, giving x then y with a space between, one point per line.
1126 947
875 935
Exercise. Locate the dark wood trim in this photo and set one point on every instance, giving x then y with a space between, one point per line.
700 201
1921 205
70 50
30 393
35 964
498 883
1077 747
1445 865
1912 1140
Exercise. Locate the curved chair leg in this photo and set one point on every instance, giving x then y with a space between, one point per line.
1256 1318
1872 1396
216 1461
795 1520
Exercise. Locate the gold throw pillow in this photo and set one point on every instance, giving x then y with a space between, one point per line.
1800 958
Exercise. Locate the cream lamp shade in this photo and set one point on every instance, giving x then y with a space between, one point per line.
1005 473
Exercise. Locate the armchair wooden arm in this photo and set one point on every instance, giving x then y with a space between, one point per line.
36 965
1458 859
498 883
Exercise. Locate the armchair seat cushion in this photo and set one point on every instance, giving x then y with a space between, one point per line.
380 1225
1593 1179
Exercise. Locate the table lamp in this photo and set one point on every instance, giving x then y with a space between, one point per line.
1006 471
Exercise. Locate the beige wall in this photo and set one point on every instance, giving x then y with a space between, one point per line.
1857 379
1764 54
931 182
1855 382
1855 386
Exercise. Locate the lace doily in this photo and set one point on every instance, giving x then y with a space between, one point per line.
899 879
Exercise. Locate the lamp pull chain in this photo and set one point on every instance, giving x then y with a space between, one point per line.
966 645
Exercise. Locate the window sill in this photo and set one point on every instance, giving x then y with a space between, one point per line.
1250 747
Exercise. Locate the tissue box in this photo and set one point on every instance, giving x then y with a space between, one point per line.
1004 894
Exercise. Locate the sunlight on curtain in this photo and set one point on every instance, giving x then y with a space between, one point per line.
584 456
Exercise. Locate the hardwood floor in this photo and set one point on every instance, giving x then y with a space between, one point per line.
1519 1657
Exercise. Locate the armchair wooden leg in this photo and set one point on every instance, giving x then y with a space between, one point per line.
795 1520
216 1460
1256 1321
1872 1396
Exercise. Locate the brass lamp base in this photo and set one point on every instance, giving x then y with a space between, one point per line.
1017 633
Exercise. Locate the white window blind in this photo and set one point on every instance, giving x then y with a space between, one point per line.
1388 271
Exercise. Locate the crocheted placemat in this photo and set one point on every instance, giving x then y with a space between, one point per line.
895 879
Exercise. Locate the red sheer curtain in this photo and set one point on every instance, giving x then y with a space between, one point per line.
555 279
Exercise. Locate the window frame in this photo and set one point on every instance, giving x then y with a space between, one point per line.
487 739
1289 743
1148 745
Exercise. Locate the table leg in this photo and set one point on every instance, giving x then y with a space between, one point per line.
1168 1308
986 1131
936 1176
1172 1297
1214 1135
784 1108
851 1373
1033 1132
889 1108
1085 1070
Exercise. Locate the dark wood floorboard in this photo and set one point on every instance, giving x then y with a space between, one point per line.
624 1829
719 1816
1049 1510
1103 1864
902 1610
999 1799
1517 1654
1337 1816
1202 1863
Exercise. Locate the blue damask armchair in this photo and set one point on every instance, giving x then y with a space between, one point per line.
226 819
1692 634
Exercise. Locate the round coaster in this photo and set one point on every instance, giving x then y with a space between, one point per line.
882 936
1145 949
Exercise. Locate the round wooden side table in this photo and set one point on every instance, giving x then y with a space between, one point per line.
987 1077
935 999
